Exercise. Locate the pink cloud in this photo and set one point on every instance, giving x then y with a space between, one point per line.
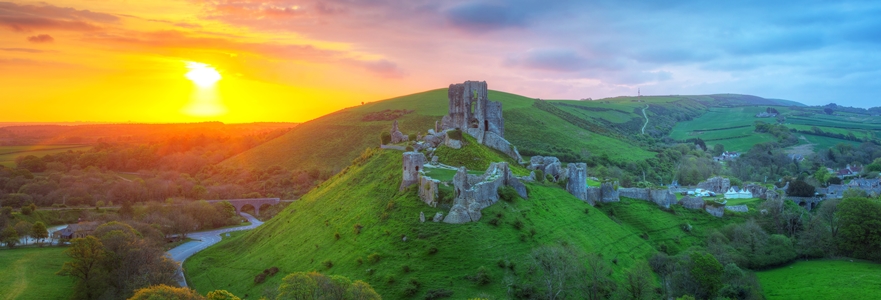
24 18
41 38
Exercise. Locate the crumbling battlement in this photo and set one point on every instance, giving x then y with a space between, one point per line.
474 193
471 111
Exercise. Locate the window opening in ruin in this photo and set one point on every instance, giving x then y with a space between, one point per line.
472 107
485 125
417 168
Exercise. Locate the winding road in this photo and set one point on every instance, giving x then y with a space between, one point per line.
204 239
646 118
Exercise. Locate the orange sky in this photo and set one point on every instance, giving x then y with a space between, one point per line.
118 61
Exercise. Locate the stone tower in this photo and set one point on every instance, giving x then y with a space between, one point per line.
413 163
577 184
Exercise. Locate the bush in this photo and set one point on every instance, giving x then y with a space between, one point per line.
385 138
327 264
373 258
437 294
800 188
455 134
432 251
357 228
369 272
507 193
260 278
482 276
494 222
518 224
273 271
411 137
502 264
405 268
336 236
390 279
26 210
412 288
409 149
539 175
359 261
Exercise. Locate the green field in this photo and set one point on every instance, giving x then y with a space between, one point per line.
734 128
29 273
823 279
302 237
9 153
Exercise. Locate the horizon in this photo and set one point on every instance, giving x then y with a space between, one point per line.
294 61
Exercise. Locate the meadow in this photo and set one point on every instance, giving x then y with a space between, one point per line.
29 273
823 279
9 153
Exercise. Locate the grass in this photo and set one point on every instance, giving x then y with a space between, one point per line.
647 219
303 236
475 157
743 201
9 153
29 273
823 279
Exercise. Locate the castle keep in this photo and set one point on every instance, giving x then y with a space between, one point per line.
471 111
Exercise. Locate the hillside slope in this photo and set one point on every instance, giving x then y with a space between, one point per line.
332 141
302 238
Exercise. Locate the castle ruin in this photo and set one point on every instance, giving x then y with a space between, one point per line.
472 112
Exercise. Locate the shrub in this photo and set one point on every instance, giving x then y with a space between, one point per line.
587 211
26 210
455 134
501 264
260 278
409 149
437 294
273 271
336 236
507 193
494 222
327 264
549 178
390 279
357 228
385 137
411 137
369 272
482 276
359 261
373 258
432 251
412 288
518 224
405 268
532 232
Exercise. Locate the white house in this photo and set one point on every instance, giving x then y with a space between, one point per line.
733 193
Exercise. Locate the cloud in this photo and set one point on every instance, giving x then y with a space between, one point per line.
41 38
25 18
26 50
480 16
559 60
382 67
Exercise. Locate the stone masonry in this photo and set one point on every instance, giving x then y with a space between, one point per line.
413 163
474 193
471 111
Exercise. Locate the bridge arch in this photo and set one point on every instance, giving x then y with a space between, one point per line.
256 203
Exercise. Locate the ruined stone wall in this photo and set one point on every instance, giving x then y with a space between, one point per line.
609 194
663 198
494 118
413 163
497 142
577 184
594 195
692 202
474 193
635 193
428 190
737 208
717 211
717 185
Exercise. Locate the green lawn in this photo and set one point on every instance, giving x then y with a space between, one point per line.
823 279
29 273
302 238
743 201
9 153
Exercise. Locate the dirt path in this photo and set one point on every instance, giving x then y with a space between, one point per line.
803 149
646 118
21 279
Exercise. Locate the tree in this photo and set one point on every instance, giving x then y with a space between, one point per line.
164 292
718 149
318 286
385 138
860 233
39 232
554 267
800 188
9 237
707 271
828 111
297 286
23 228
638 282
221 295
362 291
598 279
86 254
822 175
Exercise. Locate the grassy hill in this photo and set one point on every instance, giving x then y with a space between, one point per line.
29 273
823 279
302 238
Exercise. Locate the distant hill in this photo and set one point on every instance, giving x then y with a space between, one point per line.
78 133
572 130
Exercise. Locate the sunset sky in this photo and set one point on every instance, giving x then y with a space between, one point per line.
294 60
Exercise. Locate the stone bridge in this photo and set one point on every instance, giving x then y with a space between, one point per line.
256 203
808 203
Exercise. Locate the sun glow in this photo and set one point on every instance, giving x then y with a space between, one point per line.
202 75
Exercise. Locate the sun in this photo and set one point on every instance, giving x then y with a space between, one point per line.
202 75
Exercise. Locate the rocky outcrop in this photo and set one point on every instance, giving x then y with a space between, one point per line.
439 216
718 185
474 193
495 141
397 135
434 139
577 183
413 163
692 202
